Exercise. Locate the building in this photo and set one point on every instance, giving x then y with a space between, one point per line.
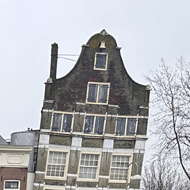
93 123
14 162
17 160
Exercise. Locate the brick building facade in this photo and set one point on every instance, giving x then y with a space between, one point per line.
93 122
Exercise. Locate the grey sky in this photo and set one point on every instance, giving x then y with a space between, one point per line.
147 30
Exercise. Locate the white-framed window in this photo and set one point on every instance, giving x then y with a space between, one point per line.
62 122
100 61
89 166
97 93
119 169
126 126
11 184
57 164
94 124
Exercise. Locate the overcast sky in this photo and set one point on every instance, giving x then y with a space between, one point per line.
147 30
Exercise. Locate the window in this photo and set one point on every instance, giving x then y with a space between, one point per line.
94 124
100 62
62 122
89 164
119 167
56 164
12 185
98 93
126 126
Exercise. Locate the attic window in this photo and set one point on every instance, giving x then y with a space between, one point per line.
100 62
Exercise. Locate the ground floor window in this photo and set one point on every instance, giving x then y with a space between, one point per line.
11 185
89 164
119 167
56 164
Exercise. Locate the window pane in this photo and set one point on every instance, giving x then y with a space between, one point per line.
120 129
99 125
89 122
67 120
88 166
92 92
131 124
101 61
56 164
56 126
103 91
11 184
119 167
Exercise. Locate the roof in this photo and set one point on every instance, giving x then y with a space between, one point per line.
3 141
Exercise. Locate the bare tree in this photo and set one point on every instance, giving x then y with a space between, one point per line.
161 175
171 97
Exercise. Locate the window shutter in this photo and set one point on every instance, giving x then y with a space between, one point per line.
101 61
99 125
56 125
131 124
103 91
92 92
89 122
67 122
120 130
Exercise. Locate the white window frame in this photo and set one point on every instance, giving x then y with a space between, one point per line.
98 83
128 172
12 181
98 167
97 53
63 113
127 117
95 116
66 165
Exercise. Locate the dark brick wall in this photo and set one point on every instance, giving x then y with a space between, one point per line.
10 173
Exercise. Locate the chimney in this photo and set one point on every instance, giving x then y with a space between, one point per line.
53 66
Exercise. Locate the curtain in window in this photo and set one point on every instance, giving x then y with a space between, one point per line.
131 124
99 125
101 61
102 96
120 129
89 122
92 92
67 120
56 126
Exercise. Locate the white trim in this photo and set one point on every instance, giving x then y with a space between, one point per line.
81 103
49 101
47 110
104 177
40 172
72 175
